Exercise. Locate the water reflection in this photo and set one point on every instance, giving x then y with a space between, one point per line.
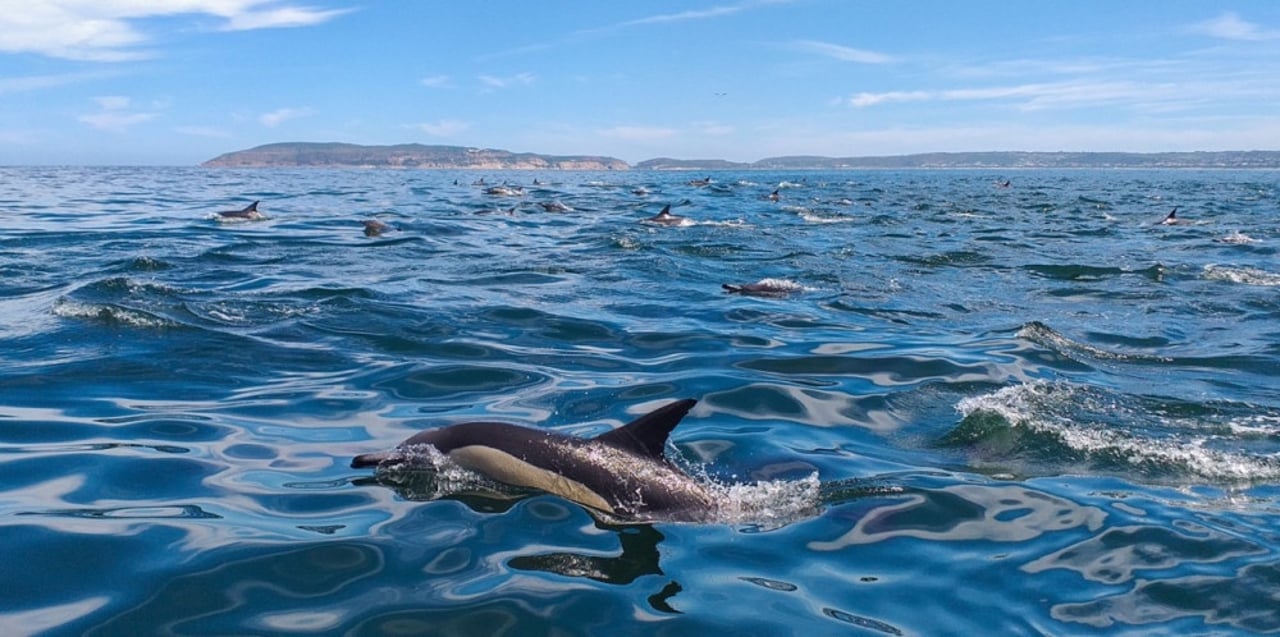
1002 513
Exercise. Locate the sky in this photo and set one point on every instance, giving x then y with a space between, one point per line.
177 82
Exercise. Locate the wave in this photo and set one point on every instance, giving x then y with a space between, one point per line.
1247 276
1050 427
1045 336
110 314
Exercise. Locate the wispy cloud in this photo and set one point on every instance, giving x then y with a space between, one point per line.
444 128
694 14
660 18
842 53
683 16
115 114
104 30
1230 26
437 81
38 82
252 18
202 131
638 133
1029 96
282 115
519 79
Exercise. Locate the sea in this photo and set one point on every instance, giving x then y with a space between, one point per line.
962 402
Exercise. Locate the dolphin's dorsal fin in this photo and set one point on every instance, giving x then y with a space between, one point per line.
253 207
666 211
647 435
1173 214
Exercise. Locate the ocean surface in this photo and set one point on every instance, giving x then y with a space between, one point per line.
967 409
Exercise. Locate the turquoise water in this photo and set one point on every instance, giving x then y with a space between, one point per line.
975 410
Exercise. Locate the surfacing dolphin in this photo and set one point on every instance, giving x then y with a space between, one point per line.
665 218
248 213
622 473
1172 218
775 288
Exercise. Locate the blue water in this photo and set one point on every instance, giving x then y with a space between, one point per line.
978 410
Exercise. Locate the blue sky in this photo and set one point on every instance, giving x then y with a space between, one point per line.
176 82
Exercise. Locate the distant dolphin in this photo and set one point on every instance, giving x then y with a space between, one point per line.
555 206
764 287
698 183
774 196
248 213
665 218
1172 218
504 191
622 472
373 227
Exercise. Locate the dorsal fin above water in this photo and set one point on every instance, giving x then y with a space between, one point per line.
253 207
666 211
647 435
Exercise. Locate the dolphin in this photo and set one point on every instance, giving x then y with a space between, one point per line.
555 206
699 183
665 218
764 287
1172 218
622 473
374 228
248 213
504 191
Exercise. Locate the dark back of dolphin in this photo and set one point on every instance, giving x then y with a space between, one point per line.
246 212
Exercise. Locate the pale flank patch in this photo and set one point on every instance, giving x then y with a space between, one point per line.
504 467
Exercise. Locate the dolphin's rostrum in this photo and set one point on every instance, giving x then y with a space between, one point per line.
622 472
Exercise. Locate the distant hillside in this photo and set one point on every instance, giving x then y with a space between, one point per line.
336 155
666 163
1014 159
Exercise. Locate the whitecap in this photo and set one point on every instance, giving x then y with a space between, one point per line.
1247 276
1086 420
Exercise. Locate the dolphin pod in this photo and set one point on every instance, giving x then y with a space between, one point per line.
622 473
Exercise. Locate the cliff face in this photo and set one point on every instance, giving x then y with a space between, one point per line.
335 155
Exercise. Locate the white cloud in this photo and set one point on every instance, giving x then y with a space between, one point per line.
842 53
437 81
444 128
107 30
493 81
281 115
1230 26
